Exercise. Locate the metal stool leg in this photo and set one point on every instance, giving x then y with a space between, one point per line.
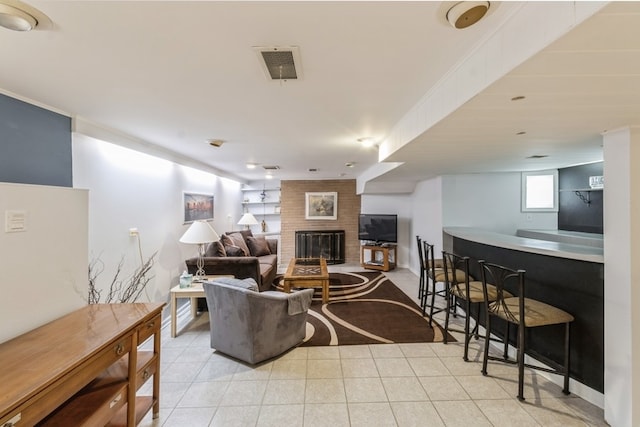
567 327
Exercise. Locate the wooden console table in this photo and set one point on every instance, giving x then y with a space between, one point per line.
83 369
381 257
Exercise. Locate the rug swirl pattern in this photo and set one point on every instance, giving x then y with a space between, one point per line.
366 308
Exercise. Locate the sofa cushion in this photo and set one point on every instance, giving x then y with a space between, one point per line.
235 239
258 246
247 283
215 249
233 251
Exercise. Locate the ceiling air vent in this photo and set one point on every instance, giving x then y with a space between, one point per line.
280 62
271 168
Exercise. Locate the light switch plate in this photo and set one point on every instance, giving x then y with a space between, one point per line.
15 221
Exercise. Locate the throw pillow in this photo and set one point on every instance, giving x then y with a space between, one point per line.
247 283
245 233
233 250
215 249
258 246
238 240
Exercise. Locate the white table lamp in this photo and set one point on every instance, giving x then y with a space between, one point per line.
199 233
248 219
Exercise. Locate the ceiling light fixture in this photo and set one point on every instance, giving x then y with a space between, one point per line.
521 132
13 18
215 142
518 98
350 164
251 165
467 13
367 141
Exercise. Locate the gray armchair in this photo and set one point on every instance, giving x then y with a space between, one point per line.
254 326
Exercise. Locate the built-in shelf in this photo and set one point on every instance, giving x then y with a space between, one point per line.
261 189
264 204
260 203
578 192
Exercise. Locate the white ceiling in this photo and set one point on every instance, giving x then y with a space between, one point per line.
174 74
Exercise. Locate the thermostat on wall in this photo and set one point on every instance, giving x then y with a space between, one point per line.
15 221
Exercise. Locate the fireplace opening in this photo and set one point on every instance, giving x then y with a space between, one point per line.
327 244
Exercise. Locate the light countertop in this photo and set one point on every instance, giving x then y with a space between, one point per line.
526 244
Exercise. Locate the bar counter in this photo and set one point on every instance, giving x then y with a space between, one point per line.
568 276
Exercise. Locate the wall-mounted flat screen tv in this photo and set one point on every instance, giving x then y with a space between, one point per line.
378 228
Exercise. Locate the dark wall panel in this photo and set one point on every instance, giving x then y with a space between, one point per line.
571 285
35 145
583 210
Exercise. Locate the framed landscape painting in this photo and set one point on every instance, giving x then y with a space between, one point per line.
321 205
197 206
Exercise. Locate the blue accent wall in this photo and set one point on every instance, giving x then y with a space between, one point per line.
35 145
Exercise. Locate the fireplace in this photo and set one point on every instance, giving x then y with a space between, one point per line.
327 244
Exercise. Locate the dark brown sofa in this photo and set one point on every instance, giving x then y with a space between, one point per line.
240 254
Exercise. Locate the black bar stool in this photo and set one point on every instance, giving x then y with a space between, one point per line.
524 313
434 275
461 286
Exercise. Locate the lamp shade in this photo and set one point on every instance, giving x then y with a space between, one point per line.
199 232
248 219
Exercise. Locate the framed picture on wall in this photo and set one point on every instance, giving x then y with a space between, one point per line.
321 205
197 206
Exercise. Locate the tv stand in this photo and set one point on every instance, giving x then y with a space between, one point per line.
378 257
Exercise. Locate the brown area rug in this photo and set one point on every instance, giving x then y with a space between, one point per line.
366 308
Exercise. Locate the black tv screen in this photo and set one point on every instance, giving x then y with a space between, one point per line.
378 228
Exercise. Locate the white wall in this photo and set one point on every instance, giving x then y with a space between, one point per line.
426 212
130 189
393 204
621 276
489 201
43 270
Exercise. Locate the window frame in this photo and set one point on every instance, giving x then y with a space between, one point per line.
523 192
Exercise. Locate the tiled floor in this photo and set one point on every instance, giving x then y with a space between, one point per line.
370 385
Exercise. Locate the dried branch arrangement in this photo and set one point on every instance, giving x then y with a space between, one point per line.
120 290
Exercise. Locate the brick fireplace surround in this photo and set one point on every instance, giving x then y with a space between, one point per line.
292 214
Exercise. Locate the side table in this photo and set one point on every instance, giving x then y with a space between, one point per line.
193 292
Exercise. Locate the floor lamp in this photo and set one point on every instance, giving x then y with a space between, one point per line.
199 233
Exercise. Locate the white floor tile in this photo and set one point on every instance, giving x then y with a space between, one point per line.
406 384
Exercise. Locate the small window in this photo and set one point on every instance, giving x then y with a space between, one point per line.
540 191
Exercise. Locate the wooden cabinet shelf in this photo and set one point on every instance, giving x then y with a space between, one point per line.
83 369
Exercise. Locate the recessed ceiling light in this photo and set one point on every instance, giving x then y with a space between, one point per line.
251 165
350 164
518 98
215 142
16 19
538 156
367 141
268 176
